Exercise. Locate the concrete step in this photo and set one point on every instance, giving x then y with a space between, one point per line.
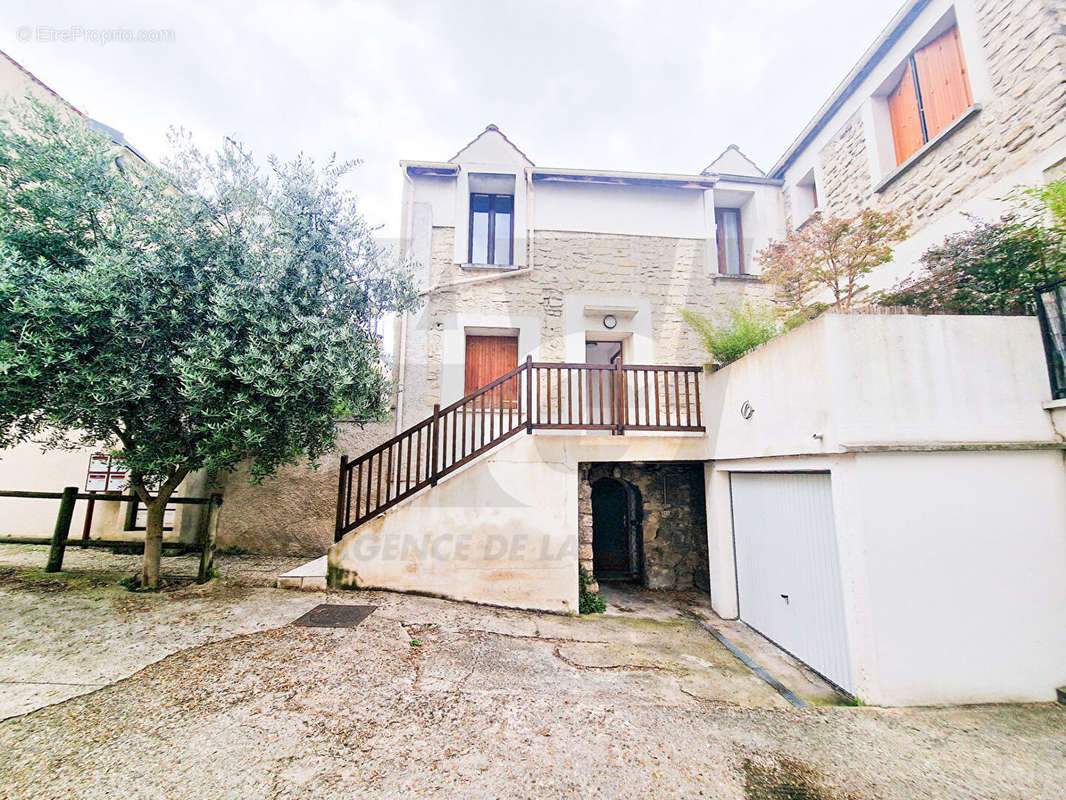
307 577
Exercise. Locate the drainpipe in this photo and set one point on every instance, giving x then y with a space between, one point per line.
401 355
529 219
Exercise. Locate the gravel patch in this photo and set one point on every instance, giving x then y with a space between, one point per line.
490 703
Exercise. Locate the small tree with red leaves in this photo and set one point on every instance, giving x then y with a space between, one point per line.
831 253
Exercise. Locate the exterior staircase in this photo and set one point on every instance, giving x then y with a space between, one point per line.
613 398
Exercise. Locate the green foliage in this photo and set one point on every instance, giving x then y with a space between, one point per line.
416 642
1049 202
132 583
747 327
588 601
192 317
992 268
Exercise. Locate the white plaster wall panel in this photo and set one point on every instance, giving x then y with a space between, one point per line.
625 210
786 384
964 553
439 194
909 378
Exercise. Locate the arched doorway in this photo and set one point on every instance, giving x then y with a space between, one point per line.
616 545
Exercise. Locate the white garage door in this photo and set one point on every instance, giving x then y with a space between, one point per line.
788 573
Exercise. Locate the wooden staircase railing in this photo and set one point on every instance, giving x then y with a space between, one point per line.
532 396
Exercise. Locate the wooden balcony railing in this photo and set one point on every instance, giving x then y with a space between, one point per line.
532 396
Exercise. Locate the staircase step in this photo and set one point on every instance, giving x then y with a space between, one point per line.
307 577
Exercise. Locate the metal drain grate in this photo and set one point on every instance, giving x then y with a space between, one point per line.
334 616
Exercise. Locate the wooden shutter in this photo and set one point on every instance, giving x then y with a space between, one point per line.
489 357
906 123
943 81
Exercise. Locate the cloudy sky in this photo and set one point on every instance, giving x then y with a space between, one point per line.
658 86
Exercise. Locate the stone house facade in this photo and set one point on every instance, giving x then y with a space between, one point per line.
587 244
1005 130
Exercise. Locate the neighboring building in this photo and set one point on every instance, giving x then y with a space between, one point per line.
954 106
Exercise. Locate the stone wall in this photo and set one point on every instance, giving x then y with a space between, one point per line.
846 171
294 513
667 272
1024 45
674 523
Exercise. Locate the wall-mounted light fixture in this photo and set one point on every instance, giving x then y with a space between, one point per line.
610 321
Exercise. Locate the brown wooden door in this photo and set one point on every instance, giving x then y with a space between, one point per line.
487 358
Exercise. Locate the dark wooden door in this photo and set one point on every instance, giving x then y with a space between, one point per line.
602 391
611 529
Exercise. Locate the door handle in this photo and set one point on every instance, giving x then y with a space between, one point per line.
785 598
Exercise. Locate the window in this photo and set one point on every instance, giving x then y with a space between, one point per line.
932 92
730 242
805 198
492 229
487 358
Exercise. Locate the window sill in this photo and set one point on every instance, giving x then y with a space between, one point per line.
488 267
809 219
920 153
735 276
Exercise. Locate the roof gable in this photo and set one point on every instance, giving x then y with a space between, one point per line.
491 146
733 162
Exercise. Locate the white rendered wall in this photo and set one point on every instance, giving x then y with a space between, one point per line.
625 210
964 557
882 379
502 530
951 562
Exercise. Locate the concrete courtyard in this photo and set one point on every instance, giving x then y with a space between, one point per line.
208 691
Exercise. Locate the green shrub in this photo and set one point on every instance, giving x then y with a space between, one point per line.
992 268
588 601
747 327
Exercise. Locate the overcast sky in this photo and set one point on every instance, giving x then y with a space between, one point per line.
648 86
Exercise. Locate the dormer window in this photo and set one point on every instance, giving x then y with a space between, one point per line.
492 229
730 241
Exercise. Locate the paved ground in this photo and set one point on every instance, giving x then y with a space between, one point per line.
429 698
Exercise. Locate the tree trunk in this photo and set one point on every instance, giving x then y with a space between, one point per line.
153 533
153 543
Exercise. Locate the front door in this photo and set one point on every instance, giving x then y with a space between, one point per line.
612 530
601 382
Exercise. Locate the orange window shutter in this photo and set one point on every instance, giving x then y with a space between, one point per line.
906 124
943 81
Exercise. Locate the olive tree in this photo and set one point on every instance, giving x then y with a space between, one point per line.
192 316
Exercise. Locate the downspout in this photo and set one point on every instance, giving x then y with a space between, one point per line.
529 219
401 356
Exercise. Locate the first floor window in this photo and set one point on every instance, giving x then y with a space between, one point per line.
730 246
932 92
492 229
